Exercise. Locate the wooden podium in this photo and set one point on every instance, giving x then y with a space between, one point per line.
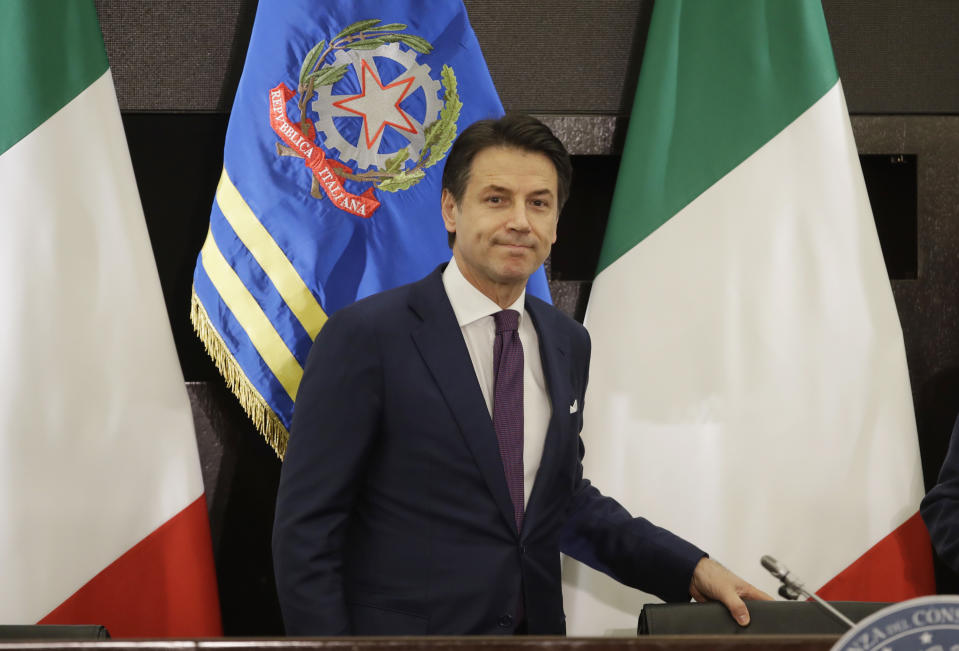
644 643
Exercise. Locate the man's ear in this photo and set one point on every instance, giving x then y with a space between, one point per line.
448 207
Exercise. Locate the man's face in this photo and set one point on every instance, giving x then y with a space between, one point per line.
505 222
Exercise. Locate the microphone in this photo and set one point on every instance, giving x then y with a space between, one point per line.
775 568
792 588
778 570
788 593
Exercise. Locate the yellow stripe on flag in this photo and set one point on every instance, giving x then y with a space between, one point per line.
270 256
251 317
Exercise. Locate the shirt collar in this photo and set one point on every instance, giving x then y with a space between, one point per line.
470 304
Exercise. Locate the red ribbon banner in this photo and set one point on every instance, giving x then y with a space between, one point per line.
361 205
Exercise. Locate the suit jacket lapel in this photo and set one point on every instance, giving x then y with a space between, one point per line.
554 351
440 342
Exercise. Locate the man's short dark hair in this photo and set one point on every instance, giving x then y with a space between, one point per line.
515 131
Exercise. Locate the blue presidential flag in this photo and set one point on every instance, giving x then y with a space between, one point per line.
330 189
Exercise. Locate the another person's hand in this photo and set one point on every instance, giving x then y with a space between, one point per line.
713 582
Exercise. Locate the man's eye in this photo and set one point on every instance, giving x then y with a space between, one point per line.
494 199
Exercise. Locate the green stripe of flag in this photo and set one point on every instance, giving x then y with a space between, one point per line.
703 106
50 51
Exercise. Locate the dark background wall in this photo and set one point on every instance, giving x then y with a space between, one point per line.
176 64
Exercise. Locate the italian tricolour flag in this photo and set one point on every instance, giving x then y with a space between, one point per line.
102 509
748 387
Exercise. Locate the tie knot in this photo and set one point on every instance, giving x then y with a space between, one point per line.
506 321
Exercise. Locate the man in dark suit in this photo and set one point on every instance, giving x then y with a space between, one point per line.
433 473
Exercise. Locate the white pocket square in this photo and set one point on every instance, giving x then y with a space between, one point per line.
573 408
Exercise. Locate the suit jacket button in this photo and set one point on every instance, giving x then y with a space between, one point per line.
505 621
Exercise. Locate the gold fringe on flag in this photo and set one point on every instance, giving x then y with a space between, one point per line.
263 417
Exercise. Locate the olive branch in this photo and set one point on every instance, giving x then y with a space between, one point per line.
369 35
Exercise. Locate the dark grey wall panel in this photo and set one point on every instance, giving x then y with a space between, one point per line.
176 55
586 135
545 56
897 56
929 305
563 56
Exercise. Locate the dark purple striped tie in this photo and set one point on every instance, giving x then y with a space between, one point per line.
508 405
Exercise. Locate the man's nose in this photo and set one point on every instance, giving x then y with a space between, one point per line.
518 219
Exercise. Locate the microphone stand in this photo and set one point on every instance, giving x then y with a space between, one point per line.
792 588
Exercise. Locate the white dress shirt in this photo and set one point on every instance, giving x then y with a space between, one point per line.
474 314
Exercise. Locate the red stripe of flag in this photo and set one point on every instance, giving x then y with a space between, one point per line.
897 568
164 586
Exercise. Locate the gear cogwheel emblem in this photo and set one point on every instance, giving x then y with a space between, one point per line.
365 154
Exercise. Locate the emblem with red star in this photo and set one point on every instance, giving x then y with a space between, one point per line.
379 105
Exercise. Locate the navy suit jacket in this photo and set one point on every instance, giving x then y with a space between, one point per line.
393 516
940 507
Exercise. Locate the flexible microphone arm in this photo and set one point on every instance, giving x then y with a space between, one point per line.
792 588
